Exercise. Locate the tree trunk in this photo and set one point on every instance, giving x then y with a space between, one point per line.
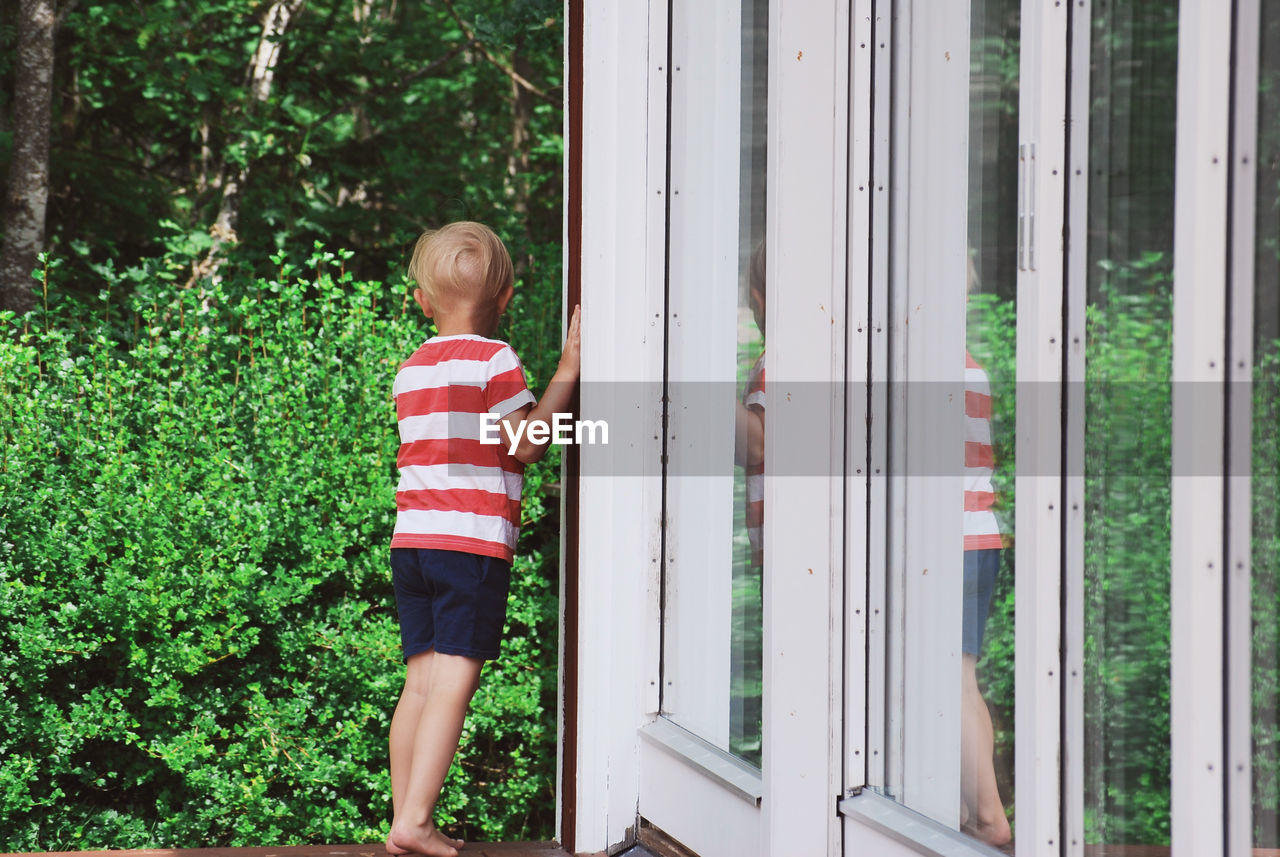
260 77
518 155
27 194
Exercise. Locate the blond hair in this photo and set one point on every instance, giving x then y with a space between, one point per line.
463 260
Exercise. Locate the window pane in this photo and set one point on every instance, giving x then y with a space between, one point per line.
1266 445
1128 422
952 435
712 615
987 659
747 647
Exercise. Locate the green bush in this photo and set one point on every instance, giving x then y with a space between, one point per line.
196 501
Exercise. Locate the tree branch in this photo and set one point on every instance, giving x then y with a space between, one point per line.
66 10
261 74
515 76
395 87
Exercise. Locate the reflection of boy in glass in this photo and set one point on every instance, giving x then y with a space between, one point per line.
749 425
982 813
746 654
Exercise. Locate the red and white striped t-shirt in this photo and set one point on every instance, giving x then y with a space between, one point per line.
456 493
981 529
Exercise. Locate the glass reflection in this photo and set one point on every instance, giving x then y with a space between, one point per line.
712 597
1128 423
987 657
747 645
1266 445
747 686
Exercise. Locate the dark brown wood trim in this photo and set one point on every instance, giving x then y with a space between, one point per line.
659 843
572 459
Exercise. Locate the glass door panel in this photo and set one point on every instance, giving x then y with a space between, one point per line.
712 611
1266 445
1128 423
953 287
987 659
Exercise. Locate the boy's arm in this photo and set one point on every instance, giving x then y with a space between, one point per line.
555 399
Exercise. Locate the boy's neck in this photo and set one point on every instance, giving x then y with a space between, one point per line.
463 324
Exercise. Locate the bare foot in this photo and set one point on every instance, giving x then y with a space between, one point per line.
393 850
994 832
427 841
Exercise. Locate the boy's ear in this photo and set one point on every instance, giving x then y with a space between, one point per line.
504 298
421 298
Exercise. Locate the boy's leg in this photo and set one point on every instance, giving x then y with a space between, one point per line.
451 682
404 723
404 727
979 790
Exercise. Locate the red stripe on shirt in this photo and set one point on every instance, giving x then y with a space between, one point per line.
977 405
436 351
453 543
503 386
985 541
978 455
979 501
458 398
459 500
424 453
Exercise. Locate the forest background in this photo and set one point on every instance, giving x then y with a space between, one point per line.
197 461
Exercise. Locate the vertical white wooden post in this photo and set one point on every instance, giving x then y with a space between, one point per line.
1239 607
1039 485
808 73
1199 370
624 106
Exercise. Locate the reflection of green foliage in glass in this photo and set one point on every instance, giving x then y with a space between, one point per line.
1266 598
747 612
746 690
1128 419
1266 444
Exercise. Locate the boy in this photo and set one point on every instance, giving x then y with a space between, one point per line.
982 813
458 505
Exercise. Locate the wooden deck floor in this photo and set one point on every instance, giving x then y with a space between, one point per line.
473 849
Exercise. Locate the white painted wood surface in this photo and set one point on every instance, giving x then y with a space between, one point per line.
1201 169
1038 548
808 151
620 517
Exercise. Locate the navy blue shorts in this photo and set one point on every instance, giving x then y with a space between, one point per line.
980 569
453 602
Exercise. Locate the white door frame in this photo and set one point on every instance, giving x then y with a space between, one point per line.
628 762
